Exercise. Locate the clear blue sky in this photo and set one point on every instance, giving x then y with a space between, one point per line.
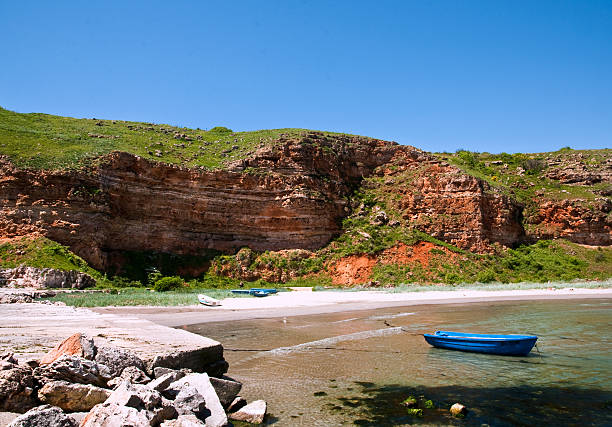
441 75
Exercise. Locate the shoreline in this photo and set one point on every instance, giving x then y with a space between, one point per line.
306 302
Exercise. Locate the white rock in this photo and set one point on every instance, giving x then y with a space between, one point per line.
184 421
201 383
253 413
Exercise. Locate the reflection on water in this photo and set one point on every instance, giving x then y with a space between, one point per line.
355 368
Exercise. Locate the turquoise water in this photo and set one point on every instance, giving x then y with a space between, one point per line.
356 368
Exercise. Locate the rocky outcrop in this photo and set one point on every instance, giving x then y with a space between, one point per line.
579 221
577 169
72 383
45 415
438 199
43 278
291 195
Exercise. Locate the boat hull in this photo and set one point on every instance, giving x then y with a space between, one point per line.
506 345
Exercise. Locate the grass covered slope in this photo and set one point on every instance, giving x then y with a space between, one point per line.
41 252
559 175
43 141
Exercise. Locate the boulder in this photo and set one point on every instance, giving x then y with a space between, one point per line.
201 383
72 397
184 421
161 371
45 415
113 415
76 370
458 410
131 374
7 361
117 359
75 345
143 398
17 389
253 413
204 359
226 388
160 384
190 402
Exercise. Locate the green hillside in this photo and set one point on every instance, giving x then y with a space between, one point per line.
43 141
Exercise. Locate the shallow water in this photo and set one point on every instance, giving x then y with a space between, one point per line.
355 368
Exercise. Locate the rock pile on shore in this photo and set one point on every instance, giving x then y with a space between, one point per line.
80 383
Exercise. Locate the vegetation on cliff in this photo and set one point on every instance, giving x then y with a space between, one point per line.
41 252
578 178
44 141
400 215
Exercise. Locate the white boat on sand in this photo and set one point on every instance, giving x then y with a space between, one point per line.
206 300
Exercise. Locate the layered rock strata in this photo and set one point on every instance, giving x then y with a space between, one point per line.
291 195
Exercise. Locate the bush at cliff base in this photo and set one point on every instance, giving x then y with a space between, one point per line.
168 284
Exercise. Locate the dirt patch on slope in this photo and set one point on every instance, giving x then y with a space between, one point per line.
357 269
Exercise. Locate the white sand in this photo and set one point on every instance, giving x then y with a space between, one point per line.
305 302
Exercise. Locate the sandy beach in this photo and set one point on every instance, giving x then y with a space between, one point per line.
306 302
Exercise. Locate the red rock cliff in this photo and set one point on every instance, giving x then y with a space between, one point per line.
290 195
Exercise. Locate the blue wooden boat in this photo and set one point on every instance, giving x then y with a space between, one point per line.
257 292
508 345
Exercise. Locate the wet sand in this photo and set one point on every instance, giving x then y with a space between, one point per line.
306 302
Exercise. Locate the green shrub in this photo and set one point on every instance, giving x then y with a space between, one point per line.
221 129
168 283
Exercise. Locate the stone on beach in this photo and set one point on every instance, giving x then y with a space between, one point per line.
226 388
7 361
45 415
160 384
17 389
207 359
72 397
75 345
117 359
183 421
458 410
190 402
74 369
138 397
113 415
253 413
202 385
132 375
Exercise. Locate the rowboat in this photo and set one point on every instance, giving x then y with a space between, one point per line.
508 345
257 292
206 300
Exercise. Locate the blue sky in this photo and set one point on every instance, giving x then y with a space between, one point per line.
441 75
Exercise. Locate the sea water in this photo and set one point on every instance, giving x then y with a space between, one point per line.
355 368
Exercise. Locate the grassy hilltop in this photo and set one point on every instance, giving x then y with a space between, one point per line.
43 141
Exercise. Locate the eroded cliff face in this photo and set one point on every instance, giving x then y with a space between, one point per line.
292 195
588 223
439 199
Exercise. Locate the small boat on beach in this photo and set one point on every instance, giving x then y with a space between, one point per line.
206 300
257 292
507 345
